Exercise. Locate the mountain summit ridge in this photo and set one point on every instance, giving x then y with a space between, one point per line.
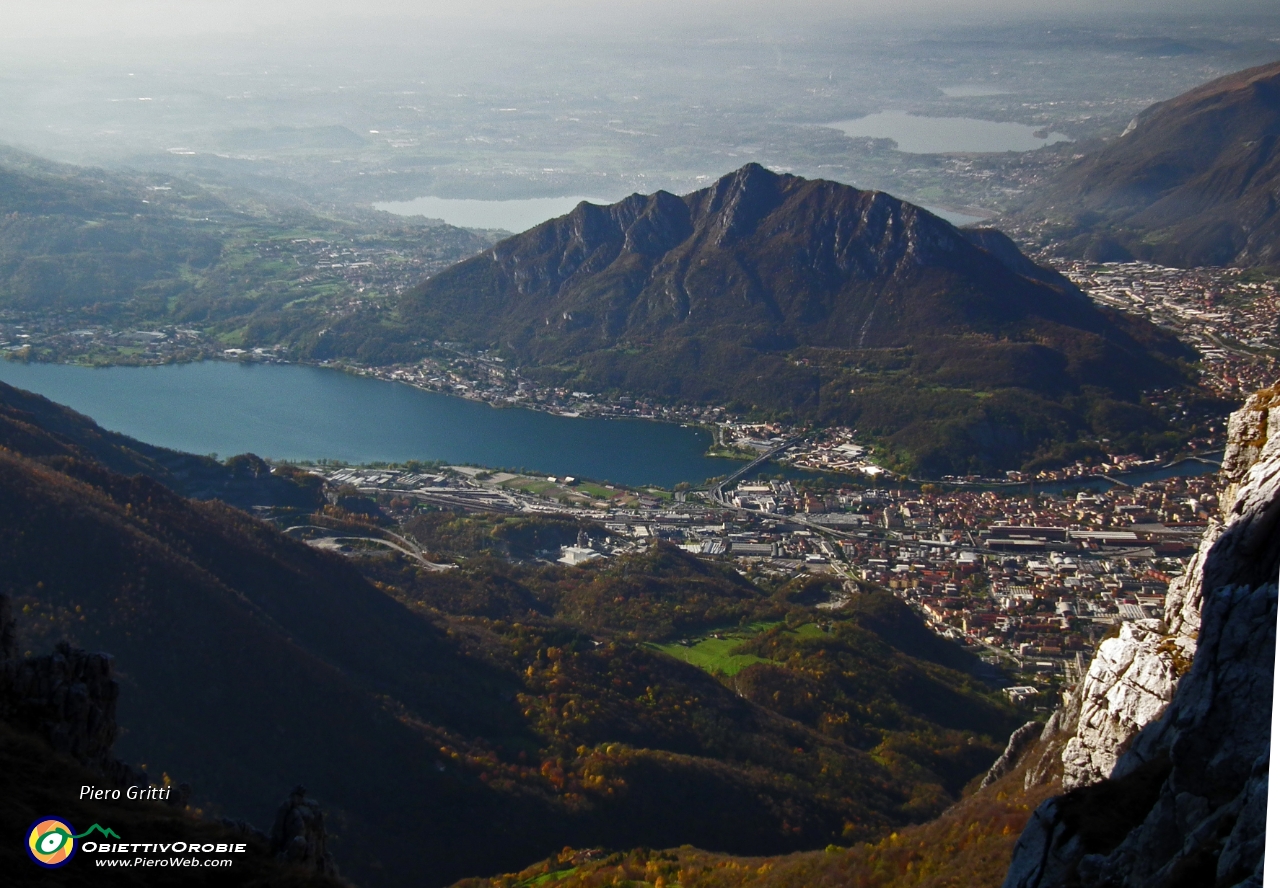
833 235
773 293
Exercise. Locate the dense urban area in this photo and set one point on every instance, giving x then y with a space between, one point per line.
1034 580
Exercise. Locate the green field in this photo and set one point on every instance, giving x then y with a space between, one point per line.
717 655
713 654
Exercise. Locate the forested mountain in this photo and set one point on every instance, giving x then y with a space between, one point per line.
968 846
809 300
776 296
1192 181
73 237
471 721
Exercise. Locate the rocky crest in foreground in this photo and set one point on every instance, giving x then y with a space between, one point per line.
1176 795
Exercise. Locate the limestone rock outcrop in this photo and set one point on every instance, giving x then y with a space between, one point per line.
1248 431
69 696
1020 741
1185 802
1133 677
1129 683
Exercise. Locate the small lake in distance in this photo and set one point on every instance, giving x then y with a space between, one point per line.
521 215
512 215
287 411
954 217
940 135
973 91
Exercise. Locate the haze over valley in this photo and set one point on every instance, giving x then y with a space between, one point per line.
397 108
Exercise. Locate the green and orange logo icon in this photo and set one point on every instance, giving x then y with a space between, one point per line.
51 842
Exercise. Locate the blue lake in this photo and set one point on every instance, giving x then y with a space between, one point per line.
283 411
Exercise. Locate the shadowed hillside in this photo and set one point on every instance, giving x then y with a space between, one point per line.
448 739
248 663
969 846
1191 182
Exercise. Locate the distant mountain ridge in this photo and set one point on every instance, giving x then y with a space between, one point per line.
797 261
778 293
1192 181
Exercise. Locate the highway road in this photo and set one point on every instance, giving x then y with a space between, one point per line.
398 543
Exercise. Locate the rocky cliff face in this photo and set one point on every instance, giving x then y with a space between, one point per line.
1020 743
1133 677
1167 776
1130 682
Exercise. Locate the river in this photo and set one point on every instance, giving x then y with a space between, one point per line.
1181 468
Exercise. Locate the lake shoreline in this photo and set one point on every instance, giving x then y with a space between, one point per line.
291 411
603 410
594 410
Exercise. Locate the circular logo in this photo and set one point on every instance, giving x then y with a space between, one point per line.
51 842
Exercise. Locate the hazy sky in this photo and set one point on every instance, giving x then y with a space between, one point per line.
59 20
518 85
